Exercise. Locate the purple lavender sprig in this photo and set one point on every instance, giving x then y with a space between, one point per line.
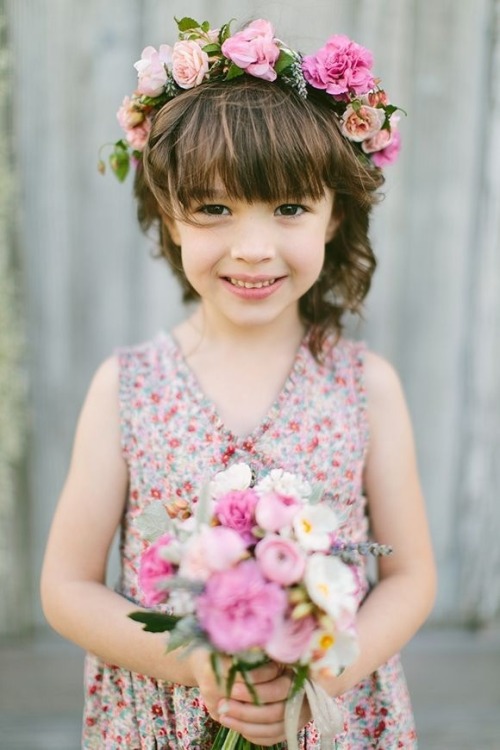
350 552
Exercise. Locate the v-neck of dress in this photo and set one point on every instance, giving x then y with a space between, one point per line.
208 406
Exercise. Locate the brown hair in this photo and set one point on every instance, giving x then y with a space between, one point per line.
265 143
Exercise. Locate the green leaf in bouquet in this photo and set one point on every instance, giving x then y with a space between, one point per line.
215 663
250 686
153 521
316 494
231 677
202 512
301 674
182 584
186 632
155 622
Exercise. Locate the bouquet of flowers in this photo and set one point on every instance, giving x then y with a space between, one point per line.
257 573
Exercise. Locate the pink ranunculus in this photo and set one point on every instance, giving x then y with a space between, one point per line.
280 559
189 64
154 570
275 511
236 510
152 69
254 49
138 136
362 123
390 153
239 609
341 67
291 639
213 549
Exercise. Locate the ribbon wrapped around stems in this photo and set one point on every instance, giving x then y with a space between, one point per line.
325 713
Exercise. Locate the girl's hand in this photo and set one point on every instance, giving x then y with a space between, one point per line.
262 724
213 693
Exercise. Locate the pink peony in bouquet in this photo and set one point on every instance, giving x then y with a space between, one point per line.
257 574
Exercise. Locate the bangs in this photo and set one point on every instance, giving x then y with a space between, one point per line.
253 139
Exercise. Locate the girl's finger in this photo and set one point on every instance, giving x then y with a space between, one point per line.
250 713
257 733
270 691
265 673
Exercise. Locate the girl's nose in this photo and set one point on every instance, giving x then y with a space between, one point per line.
253 243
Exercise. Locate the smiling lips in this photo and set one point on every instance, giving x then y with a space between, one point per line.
256 288
252 284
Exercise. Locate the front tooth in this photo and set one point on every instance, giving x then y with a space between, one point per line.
250 285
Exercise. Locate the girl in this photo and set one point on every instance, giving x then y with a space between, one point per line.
258 168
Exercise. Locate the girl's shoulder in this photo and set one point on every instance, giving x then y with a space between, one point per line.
377 376
125 364
382 381
147 352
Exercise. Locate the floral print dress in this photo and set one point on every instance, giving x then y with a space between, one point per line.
173 439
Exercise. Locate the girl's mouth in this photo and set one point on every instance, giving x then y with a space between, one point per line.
251 284
253 290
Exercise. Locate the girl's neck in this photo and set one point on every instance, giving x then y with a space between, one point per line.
198 333
241 371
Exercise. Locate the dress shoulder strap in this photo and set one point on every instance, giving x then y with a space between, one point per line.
346 358
142 378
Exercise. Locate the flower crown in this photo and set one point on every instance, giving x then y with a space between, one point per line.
341 68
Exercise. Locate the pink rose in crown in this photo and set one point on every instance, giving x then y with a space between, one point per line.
291 639
390 152
152 69
275 511
280 559
254 49
212 549
189 64
155 568
341 67
362 123
239 609
236 510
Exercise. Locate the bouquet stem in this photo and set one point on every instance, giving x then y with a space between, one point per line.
228 739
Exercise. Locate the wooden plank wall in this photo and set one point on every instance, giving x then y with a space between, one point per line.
434 310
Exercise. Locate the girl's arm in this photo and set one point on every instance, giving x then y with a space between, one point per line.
404 595
75 599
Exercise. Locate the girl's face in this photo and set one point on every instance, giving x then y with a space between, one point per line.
252 262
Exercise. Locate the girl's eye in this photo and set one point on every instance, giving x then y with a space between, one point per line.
290 209
214 210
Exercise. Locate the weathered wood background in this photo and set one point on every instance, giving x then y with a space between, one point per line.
89 283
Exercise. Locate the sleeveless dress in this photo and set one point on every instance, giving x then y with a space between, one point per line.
173 439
